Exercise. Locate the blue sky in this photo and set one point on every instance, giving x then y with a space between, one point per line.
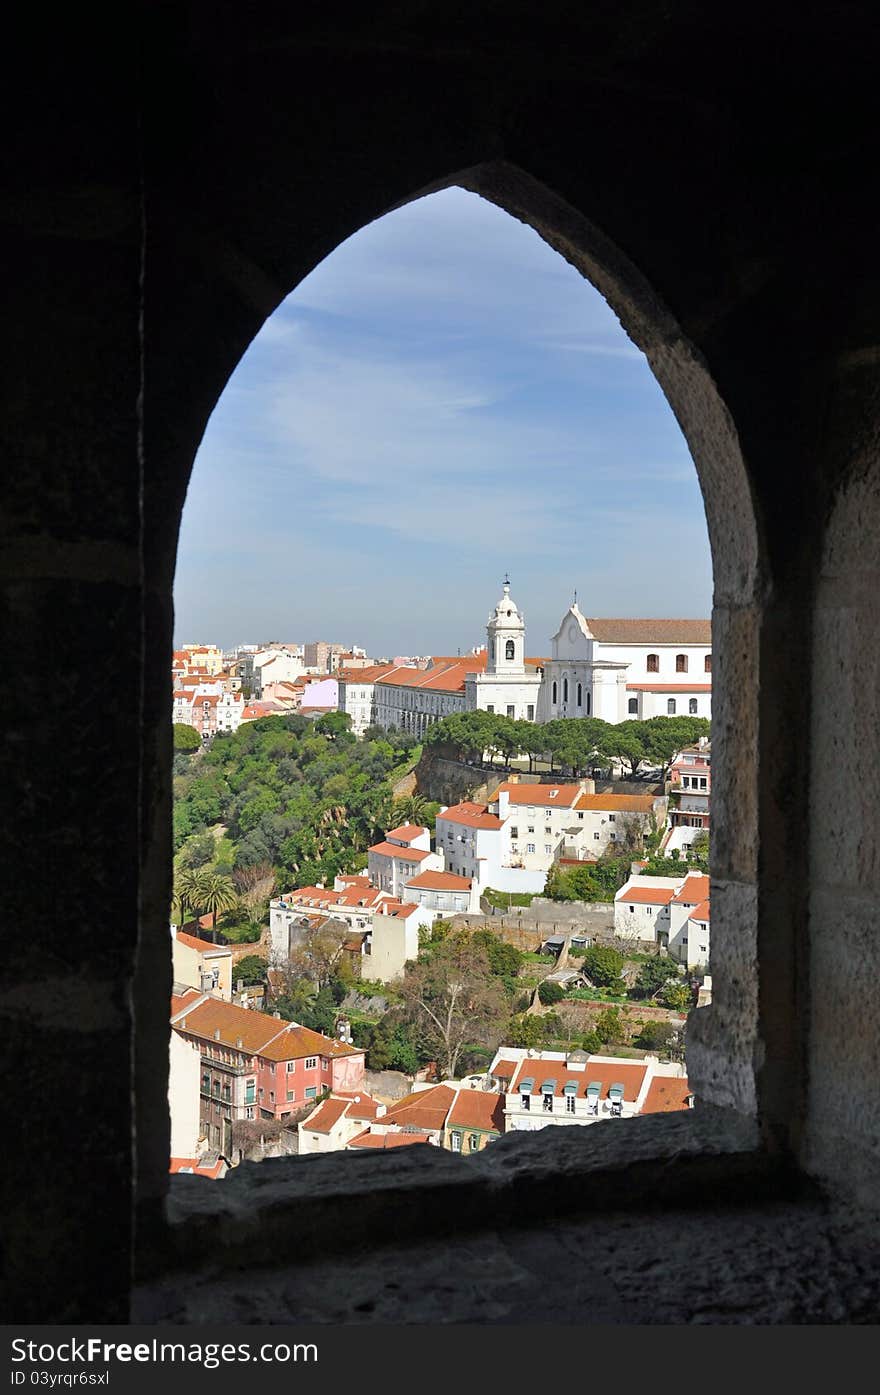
442 399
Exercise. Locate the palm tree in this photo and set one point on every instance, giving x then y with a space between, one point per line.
411 808
217 893
188 892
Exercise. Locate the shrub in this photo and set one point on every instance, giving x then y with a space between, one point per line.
655 1036
611 1027
603 966
549 992
592 1042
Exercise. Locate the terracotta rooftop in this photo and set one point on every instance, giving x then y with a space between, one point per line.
258 1032
645 895
694 890
439 881
651 631
617 803
477 1109
548 796
391 850
406 833
666 1095
607 1073
204 946
473 815
425 1109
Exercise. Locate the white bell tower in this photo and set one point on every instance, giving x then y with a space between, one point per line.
506 637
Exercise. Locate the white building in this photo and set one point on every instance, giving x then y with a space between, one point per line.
336 1121
509 684
671 911
599 821
619 669
395 938
402 853
544 1088
357 696
690 779
443 892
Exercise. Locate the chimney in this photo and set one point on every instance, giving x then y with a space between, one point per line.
216 1033
239 1042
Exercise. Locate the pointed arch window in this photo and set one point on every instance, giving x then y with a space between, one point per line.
580 695
555 699
509 649
588 704
565 690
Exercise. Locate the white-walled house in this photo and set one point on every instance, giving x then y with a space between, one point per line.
689 922
690 781
672 911
184 1101
542 1088
443 892
351 899
402 853
641 908
469 837
601 820
395 938
335 1122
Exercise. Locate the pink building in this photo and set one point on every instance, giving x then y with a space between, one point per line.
256 1066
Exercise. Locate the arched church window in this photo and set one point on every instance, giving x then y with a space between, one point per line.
565 690
633 705
492 650
588 704
554 692
670 707
509 649
692 707
653 663
681 663
580 695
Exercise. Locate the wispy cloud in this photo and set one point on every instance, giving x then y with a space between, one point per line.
442 398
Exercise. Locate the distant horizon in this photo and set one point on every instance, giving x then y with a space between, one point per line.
443 398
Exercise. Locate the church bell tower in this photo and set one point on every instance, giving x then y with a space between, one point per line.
506 637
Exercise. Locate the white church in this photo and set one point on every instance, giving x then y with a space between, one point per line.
613 669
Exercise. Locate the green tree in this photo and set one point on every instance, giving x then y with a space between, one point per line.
525 1029
677 996
592 1042
549 992
603 966
217 893
186 738
249 969
611 1027
653 975
198 851
335 726
655 1036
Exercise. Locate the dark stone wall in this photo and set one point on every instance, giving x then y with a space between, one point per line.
165 184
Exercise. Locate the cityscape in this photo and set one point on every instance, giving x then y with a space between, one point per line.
436 899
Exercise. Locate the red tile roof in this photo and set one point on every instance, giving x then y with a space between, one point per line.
477 1109
666 1094
426 1109
651 631
258 1032
408 854
406 833
646 895
669 687
204 946
473 815
387 1140
701 913
694 891
439 881
521 793
193 1165
626 1073
617 803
